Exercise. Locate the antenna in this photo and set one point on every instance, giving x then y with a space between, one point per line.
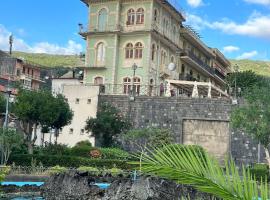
193 31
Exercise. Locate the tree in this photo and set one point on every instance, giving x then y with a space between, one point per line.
64 112
35 108
9 139
253 118
108 123
2 104
186 166
245 80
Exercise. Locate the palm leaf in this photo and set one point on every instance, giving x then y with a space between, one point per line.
191 167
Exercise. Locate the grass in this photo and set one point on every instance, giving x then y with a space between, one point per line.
259 67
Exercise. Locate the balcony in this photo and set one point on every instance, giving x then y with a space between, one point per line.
31 77
83 31
193 60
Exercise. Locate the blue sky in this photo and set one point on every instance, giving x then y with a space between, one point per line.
239 28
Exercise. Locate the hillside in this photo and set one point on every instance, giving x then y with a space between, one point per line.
49 60
260 67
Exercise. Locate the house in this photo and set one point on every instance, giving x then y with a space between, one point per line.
139 45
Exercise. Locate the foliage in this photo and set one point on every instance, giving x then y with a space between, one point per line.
185 166
57 169
9 139
53 149
2 103
35 108
148 137
92 170
4 170
114 153
254 117
115 171
260 172
84 143
108 123
67 161
82 151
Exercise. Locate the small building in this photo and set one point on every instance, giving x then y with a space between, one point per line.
83 100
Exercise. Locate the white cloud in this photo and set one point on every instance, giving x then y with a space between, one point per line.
230 49
41 47
247 55
262 2
195 3
257 25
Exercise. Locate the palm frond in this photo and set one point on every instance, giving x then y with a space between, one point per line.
195 168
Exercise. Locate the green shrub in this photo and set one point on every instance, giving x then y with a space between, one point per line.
82 151
52 149
92 170
86 143
57 169
114 153
67 161
260 172
4 170
115 171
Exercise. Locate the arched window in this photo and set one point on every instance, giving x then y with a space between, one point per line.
138 50
131 17
100 54
174 33
155 15
98 80
137 85
127 85
183 69
140 16
129 51
153 52
172 59
102 19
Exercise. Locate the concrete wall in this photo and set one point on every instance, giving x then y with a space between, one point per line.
193 121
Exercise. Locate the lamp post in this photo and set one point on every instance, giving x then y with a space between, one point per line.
236 69
134 68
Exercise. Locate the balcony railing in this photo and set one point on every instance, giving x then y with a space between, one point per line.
219 74
198 61
32 77
100 29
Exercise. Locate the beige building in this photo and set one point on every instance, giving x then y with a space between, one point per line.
83 100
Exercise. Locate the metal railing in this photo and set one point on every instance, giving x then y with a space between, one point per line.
198 61
97 28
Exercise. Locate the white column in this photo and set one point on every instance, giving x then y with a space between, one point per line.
168 89
195 93
209 90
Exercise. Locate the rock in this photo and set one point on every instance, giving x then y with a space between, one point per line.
72 185
150 188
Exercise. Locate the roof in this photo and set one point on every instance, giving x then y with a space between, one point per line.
68 75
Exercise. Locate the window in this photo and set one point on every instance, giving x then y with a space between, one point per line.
140 16
172 59
100 54
131 17
153 52
71 131
129 51
77 100
163 57
82 131
174 33
127 85
183 69
137 85
138 50
191 72
156 15
89 101
98 80
198 77
102 19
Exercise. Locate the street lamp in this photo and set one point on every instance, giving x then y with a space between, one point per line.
134 68
236 69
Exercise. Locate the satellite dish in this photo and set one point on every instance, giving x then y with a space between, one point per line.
171 66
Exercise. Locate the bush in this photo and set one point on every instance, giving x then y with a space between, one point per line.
53 149
115 171
114 153
57 169
86 143
92 170
4 170
67 161
82 151
260 172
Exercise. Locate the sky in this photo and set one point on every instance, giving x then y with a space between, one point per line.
239 28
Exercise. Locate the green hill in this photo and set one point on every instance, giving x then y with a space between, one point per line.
49 60
260 67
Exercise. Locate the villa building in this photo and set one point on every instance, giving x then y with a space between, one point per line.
140 44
